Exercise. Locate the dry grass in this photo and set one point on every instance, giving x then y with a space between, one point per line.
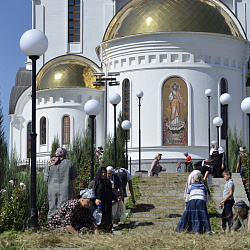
162 240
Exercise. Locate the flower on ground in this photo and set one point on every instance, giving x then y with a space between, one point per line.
3 191
11 182
22 185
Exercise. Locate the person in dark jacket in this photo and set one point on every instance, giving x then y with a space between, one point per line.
218 158
104 196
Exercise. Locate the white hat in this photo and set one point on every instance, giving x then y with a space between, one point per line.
241 149
88 194
109 168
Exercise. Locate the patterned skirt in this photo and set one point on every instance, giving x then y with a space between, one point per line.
195 218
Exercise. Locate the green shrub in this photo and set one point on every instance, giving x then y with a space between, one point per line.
55 145
235 141
80 155
108 154
13 214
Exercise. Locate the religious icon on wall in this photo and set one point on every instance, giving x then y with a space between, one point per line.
175 112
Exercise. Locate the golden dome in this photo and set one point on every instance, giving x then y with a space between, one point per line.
150 16
68 71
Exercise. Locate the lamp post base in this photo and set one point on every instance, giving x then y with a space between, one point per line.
33 218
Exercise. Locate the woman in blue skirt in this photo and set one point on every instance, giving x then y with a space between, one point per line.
195 217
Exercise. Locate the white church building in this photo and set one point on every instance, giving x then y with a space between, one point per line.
172 50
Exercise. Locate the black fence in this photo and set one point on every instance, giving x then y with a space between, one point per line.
24 165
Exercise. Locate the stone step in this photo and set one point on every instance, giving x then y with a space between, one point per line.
161 203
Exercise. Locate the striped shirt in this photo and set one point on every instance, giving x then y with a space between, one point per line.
197 191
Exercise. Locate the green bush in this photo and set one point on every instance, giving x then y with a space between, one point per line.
80 155
15 201
13 214
235 141
108 154
55 145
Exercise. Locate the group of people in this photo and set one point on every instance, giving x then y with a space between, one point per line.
216 161
74 213
195 217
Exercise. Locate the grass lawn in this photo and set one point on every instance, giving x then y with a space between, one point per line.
128 239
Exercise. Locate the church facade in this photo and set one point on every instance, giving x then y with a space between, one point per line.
171 50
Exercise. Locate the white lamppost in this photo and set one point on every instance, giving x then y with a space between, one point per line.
115 99
92 108
225 100
126 125
33 43
208 94
217 121
139 95
245 107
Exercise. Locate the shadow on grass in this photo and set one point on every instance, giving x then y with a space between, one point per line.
142 208
173 215
215 215
134 224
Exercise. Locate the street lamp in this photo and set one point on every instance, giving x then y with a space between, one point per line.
33 43
101 80
126 125
115 99
245 107
208 94
217 121
139 95
225 100
92 108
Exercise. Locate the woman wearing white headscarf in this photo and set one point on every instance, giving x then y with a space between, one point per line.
75 216
217 156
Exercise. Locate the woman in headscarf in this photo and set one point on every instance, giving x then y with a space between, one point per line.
217 156
156 168
104 196
74 215
60 175
195 217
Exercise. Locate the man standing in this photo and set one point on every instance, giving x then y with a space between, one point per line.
240 167
188 164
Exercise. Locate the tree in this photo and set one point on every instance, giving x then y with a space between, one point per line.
235 141
55 145
3 149
108 154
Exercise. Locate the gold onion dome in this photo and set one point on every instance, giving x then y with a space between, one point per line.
150 16
68 71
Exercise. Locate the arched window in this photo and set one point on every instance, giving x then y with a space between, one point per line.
43 131
224 110
74 20
66 130
126 99
126 102
29 140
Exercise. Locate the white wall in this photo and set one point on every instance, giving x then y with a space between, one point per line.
149 59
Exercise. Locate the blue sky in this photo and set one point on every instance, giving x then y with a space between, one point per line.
15 19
